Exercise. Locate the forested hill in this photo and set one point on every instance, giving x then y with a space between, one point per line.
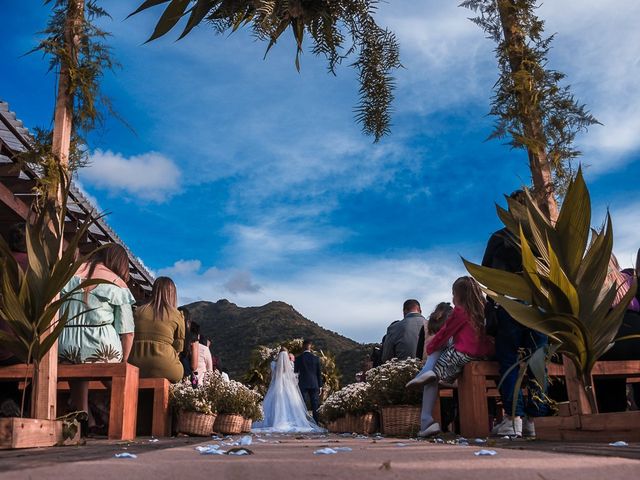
236 331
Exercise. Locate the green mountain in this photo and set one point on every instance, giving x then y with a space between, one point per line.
236 331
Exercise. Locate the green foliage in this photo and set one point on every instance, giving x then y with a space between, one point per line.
388 382
31 299
561 291
338 30
531 105
86 64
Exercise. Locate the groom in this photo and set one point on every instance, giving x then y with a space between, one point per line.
307 366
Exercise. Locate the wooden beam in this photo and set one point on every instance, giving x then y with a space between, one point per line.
19 185
9 199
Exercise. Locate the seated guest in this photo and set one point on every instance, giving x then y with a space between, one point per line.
465 327
189 354
101 326
401 340
513 338
159 334
611 393
434 324
205 361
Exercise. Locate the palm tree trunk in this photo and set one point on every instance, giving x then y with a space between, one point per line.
45 375
531 119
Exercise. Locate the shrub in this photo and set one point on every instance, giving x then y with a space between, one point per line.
388 383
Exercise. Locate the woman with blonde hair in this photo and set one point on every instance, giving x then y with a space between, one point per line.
159 334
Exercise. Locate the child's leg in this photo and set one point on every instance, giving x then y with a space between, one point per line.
429 398
431 362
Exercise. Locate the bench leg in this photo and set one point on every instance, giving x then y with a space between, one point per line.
474 411
124 407
161 423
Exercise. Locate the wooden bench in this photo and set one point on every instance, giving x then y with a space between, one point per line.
124 379
478 378
161 413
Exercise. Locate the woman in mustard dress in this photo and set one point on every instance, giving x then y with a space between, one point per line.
159 336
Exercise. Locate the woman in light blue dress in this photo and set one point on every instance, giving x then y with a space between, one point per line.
103 329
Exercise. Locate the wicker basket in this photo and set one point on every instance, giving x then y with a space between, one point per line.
401 420
229 424
364 424
246 426
197 424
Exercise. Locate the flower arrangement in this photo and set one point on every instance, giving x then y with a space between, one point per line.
388 383
183 397
234 398
353 399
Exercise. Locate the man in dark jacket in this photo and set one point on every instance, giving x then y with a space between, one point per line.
307 366
401 340
503 253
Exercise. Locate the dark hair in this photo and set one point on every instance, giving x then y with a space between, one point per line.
112 256
164 297
438 317
186 314
471 299
204 339
17 238
409 305
306 343
195 330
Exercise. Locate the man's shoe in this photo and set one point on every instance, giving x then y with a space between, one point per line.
528 427
509 427
431 430
422 379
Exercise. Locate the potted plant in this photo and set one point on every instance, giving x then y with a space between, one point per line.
195 409
562 291
350 409
33 308
237 405
399 406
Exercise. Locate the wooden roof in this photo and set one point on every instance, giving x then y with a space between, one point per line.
16 196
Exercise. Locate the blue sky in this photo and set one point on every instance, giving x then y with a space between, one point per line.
250 181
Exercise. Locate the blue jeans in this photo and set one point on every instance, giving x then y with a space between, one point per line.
429 393
510 339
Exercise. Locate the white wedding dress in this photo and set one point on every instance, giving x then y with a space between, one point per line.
283 406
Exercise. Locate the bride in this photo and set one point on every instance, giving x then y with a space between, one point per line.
283 405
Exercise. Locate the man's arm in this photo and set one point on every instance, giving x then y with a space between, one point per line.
319 373
296 364
388 347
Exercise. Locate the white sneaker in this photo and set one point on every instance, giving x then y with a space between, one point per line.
509 427
431 430
422 379
528 427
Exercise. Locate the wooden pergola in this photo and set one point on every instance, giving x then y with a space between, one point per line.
16 196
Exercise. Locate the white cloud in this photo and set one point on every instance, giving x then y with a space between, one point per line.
626 232
150 176
181 267
357 297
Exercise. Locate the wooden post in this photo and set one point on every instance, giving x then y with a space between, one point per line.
44 396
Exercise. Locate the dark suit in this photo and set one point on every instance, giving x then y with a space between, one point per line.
307 366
